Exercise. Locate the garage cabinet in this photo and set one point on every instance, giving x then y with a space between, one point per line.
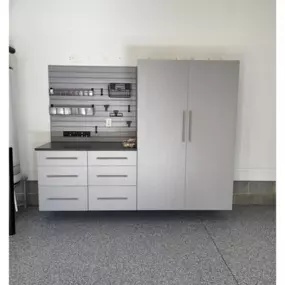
186 134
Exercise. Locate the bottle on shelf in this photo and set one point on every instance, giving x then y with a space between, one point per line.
91 92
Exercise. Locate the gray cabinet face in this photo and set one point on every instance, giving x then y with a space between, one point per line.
212 100
162 89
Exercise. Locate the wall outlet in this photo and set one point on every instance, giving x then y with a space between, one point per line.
108 122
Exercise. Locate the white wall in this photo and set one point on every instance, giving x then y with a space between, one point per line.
112 32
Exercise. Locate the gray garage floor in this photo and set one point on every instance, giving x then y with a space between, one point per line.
235 247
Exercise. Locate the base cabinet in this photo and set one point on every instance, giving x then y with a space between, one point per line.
112 180
87 180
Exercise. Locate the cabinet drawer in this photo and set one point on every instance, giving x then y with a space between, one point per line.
112 175
112 157
62 198
112 198
61 175
64 158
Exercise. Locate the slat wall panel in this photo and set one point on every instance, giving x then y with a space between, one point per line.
92 69
98 114
97 77
90 119
100 101
91 75
100 128
108 137
83 80
66 124
86 86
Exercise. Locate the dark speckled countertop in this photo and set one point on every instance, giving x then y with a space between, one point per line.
103 146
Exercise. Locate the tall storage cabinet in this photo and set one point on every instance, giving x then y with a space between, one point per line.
186 134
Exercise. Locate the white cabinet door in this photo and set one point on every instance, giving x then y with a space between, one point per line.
211 124
162 89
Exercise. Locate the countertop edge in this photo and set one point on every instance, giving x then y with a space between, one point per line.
97 146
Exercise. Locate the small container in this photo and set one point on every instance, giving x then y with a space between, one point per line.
85 92
80 93
91 92
60 111
82 111
51 91
67 111
89 111
52 111
74 111
129 143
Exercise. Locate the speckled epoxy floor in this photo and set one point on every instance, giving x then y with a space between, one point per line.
217 248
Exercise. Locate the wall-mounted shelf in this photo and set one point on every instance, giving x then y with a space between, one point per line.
71 110
62 92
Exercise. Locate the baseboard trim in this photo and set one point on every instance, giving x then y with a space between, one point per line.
244 174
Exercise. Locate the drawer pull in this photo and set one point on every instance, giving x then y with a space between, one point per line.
111 157
112 175
61 157
112 198
63 199
60 176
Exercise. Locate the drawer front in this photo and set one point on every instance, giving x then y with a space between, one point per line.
62 158
112 198
112 175
112 157
63 198
62 176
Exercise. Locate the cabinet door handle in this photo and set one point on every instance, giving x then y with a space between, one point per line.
183 127
102 157
63 199
51 157
109 175
112 198
190 126
57 175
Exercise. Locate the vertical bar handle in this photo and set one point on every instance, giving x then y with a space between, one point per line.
190 126
183 127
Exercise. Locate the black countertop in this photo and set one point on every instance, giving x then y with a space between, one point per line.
108 146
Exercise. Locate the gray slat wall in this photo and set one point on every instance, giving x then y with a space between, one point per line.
97 77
